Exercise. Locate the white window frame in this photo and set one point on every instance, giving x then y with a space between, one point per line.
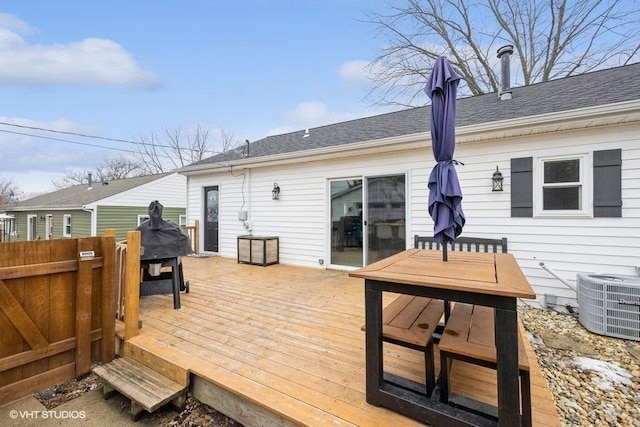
142 218
585 179
31 231
182 220
66 225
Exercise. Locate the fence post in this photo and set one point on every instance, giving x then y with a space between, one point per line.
83 308
196 237
108 321
132 285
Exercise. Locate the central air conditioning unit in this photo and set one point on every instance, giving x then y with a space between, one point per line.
610 305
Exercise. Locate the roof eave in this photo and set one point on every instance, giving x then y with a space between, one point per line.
628 111
333 151
601 115
42 208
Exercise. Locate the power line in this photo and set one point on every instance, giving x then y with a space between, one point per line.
166 156
70 142
81 135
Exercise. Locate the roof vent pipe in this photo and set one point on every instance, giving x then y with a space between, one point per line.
504 53
90 181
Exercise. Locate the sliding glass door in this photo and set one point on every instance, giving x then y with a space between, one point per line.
386 216
368 219
346 223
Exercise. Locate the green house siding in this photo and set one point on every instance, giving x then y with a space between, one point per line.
80 224
125 218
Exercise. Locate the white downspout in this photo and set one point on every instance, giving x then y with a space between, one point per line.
94 219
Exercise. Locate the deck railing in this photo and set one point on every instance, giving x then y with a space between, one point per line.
193 233
121 262
128 283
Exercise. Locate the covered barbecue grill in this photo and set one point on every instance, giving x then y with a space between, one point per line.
163 244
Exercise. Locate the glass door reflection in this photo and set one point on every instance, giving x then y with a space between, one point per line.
386 216
346 223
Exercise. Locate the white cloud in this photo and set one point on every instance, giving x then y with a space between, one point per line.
355 71
33 183
307 112
306 115
89 62
21 150
313 114
10 22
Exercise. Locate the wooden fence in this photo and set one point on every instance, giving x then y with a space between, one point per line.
57 310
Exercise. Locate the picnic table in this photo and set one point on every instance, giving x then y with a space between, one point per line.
487 279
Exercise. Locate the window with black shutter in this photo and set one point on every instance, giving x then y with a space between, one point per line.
522 187
607 183
561 185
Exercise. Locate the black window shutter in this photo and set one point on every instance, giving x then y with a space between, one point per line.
522 187
607 183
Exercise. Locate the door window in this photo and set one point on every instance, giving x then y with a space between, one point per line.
211 222
386 216
346 222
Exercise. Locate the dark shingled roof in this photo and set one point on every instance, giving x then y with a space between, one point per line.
603 87
79 195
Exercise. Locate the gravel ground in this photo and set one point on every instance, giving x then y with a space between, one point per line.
595 379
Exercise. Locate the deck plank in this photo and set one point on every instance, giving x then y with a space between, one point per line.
289 339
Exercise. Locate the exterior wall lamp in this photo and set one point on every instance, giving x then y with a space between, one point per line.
275 193
496 180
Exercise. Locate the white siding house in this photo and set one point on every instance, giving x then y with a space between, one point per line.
569 151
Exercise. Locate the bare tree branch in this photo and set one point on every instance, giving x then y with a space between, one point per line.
181 148
111 168
551 38
9 191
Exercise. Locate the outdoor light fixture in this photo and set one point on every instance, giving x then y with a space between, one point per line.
275 193
496 180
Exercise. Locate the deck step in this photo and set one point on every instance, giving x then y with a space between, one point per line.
147 389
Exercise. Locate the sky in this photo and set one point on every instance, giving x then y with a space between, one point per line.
123 69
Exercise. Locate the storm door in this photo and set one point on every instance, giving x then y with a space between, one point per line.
49 227
32 227
211 221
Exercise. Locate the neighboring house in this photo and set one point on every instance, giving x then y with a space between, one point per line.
569 151
89 210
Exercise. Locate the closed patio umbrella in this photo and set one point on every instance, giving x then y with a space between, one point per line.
445 195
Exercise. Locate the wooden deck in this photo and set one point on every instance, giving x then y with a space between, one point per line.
282 345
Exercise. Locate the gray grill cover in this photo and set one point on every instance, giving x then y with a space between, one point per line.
162 238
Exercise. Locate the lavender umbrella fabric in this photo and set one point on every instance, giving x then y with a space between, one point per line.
445 195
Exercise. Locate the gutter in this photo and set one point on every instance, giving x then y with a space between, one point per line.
608 114
542 123
418 140
42 208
